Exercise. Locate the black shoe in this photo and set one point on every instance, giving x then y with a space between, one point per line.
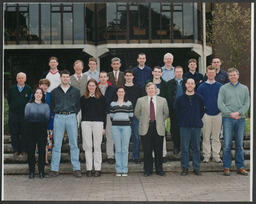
97 173
165 159
137 161
161 173
53 173
41 175
176 151
31 175
77 174
89 173
111 161
146 174
184 172
197 172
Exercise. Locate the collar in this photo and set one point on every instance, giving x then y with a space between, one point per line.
178 80
20 87
235 84
172 68
54 72
210 82
90 72
141 68
92 95
154 98
116 71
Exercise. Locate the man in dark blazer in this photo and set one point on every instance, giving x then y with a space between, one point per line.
174 89
152 111
116 77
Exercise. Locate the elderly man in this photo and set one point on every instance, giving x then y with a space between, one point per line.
18 96
78 79
233 102
151 111
168 69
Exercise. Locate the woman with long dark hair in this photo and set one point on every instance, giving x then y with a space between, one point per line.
121 113
93 123
37 115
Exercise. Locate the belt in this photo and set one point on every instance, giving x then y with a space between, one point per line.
65 113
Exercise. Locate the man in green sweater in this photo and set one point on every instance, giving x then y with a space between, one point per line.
233 102
18 96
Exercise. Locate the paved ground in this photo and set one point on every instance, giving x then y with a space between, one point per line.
212 186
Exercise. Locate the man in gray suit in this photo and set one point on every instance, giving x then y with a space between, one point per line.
152 110
78 79
116 77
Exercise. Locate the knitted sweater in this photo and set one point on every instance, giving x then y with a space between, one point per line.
121 115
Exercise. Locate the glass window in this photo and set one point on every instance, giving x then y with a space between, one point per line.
78 12
188 20
45 23
33 23
55 24
89 21
23 23
67 24
10 23
155 20
177 25
165 21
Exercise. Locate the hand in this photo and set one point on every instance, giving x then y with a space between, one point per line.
103 132
234 115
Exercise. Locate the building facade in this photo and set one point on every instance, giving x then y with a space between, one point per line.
35 31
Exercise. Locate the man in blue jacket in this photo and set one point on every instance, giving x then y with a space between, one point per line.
189 109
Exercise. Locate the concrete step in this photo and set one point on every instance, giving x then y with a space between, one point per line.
66 168
65 157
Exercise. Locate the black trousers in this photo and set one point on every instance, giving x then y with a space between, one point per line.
175 132
152 141
37 135
16 126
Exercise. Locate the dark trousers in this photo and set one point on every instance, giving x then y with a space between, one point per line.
152 141
16 126
37 135
175 132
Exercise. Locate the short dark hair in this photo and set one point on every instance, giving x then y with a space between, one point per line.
157 67
142 53
103 72
192 60
216 57
178 67
64 71
128 71
53 58
93 59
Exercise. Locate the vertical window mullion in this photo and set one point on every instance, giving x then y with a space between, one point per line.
40 24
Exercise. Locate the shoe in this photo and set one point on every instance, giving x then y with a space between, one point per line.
184 172
137 161
41 175
89 173
124 174
97 173
53 173
15 154
165 159
77 174
146 174
111 161
176 151
31 175
197 172
243 172
161 173
206 160
118 174
217 160
226 172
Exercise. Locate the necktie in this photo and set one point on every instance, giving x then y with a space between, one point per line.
152 110
116 77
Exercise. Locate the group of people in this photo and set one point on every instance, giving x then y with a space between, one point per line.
132 104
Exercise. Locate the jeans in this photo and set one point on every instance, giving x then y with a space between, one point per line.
187 134
62 122
135 139
121 136
237 127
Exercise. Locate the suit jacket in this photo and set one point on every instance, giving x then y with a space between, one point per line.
120 81
142 112
79 85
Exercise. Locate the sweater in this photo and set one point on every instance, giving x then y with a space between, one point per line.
196 76
121 115
190 110
81 85
35 112
233 99
54 80
210 92
18 100
133 93
221 77
93 109
141 76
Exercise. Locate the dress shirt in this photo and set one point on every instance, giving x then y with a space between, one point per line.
167 74
154 102
94 75
20 88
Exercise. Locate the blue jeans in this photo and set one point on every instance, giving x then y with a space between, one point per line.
237 127
135 139
187 134
121 137
62 122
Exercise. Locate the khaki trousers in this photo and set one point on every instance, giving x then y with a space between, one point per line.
211 135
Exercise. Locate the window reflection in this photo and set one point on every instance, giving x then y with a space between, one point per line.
33 23
78 10
45 23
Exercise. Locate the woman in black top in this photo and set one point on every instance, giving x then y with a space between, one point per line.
93 123
37 116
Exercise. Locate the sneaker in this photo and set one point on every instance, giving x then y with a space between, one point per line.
97 173
184 172
137 161
53 173
206 160
124 174
111 161
242 171
226 172
89 173
165 159
197 172
118 174
217 160
77 173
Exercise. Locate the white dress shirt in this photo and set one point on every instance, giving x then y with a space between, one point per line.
154 102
